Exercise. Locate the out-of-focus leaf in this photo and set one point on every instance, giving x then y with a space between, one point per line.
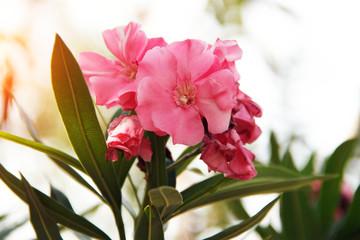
349 227
275 148
60 197
58 212
245 225
268 233
80 120
330 191
237 209
298 218
165 199
150 226
5 231
288 161
309 167
52 152
45 227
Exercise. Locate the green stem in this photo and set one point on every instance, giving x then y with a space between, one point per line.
158 175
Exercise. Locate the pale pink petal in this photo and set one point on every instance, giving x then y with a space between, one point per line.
93 64
126 43
108 90
159 64
151 97
184 125
194 58
215 100
151 43
227 50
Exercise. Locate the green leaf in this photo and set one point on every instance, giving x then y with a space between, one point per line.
85 134
298 218
237 189
349 227
150 226
288 161
58 212
166 199
61 159
79 117
52 152
237 209
309 167
123 167
275 148
330 191
60 197
45 227
185 158
245 225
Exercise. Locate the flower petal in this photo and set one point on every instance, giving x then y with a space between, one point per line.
126 43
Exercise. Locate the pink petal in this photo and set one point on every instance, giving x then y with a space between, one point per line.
227 50
153 42
194 58
93 64
216 100
126 43
151 97
108 90
159 64
145 150
184 125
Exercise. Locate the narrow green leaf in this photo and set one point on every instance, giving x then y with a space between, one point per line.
349 227
330 191
59 158
80 120
45 227
58 212
238 189
185 158
245 225
122 166
52 152
150 226
166 199
275 148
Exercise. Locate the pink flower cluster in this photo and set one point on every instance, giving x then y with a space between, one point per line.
187 89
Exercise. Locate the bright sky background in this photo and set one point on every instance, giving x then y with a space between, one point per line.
315 48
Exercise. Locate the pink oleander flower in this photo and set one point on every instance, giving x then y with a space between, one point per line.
228 52
113 82
226 153
126 134
243 118
181 84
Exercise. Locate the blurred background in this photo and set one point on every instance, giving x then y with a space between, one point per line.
300 63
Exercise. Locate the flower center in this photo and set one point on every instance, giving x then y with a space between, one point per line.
184 94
